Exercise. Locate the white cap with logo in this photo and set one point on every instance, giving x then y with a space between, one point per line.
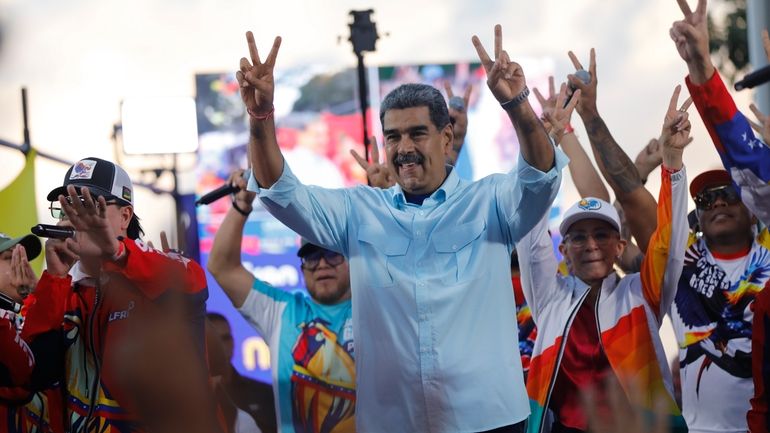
590 207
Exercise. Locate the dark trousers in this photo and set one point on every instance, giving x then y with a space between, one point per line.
520 427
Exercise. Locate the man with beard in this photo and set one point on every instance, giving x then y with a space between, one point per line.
310 338
726 268
429 257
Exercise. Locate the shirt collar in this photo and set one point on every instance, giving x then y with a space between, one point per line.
451 182
78 274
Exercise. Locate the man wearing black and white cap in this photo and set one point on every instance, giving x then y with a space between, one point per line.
94 284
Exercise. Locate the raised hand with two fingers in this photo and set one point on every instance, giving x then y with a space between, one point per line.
675 134
556 114
378 173
587 90
691 37
257 80
505 77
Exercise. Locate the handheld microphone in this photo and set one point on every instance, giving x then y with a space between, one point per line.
760 76
220 192
8 304
584 76
51 231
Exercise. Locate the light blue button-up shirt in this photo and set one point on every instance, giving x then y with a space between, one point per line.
433 309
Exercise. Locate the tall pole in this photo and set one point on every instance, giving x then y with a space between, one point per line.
758 17
363 35
363 97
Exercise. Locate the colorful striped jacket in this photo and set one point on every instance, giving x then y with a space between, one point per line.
629 310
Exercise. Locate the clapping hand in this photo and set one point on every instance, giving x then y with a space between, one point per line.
23 278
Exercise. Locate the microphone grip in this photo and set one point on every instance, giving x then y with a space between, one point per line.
51 231
216 194
760 76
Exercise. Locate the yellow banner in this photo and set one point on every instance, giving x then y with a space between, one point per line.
18 210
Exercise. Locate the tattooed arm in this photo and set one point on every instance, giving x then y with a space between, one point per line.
615 165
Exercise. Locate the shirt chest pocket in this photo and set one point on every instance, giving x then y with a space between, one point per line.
383 254
455 247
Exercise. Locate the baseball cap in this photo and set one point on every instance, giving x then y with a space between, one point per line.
103 178
587 208
30 243
306 247
709 179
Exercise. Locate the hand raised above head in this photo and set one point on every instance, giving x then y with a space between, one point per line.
256 78
558 118
378 173
458 107
675 134
691 37
587 89
505 78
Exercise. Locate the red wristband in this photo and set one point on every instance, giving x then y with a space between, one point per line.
568 129
668 170
265 116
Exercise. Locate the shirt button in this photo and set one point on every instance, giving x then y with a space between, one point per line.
454 247
422 212
418 233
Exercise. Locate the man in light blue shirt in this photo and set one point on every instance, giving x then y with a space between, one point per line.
429 257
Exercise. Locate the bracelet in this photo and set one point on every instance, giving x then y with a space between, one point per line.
568 129
265 116
119 254
668 170
239 210
517 100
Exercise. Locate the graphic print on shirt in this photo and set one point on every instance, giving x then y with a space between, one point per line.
715 310
323 380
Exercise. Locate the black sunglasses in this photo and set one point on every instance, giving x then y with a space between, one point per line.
311 261
705 199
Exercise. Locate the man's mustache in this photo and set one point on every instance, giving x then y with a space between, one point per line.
408 158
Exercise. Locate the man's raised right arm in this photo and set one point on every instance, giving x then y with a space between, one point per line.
257 82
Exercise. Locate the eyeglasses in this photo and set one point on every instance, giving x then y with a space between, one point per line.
58 213
311 261
601 237
705 200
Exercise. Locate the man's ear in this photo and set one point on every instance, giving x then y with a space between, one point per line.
126 213
448 136
563 250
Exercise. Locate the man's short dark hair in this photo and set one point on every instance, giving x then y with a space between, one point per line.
417 95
